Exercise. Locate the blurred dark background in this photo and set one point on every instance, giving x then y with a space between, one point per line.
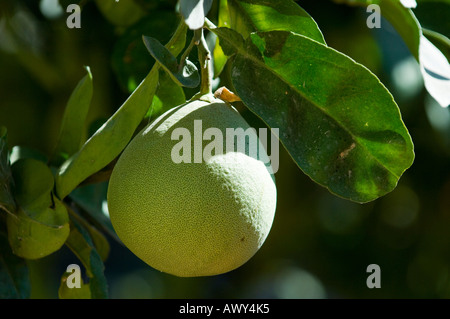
319 245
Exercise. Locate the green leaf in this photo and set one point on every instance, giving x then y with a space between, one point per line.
194 12
72 126
33 183
107 143
220 59
6 181
81 244
39 226
247 16
230 40
185 75
337 121
405 22
39 232
14 274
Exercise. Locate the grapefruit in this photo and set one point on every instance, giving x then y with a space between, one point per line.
192 218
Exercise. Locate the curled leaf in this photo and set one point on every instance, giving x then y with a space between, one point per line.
39 233
185 74
40 225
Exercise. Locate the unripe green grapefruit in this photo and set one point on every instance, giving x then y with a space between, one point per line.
192 219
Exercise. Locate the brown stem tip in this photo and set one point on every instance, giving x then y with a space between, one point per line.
226 95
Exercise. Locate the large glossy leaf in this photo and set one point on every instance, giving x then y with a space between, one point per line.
230 40
6 182
72 126
194 12
247 16
337 121
14 275
110 139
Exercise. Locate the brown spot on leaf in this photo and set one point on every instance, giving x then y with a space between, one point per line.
345 152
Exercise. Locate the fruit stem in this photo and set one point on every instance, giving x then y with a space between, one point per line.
204 56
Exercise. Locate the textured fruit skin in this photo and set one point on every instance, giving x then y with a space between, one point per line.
191 219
